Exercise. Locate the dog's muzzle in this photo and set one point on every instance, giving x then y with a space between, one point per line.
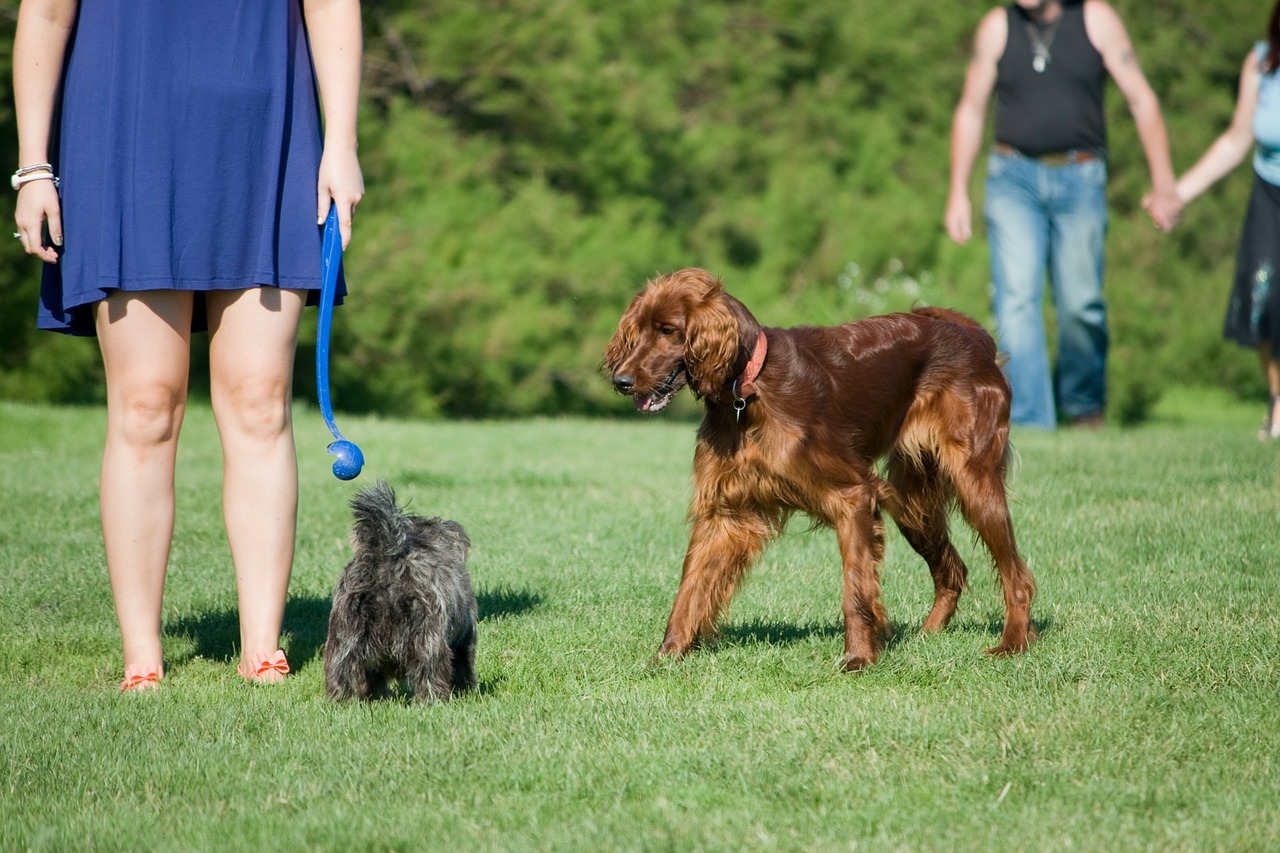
657 399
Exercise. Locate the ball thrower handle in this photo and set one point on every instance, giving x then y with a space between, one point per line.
349 458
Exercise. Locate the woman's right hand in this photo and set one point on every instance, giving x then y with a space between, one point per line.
38 204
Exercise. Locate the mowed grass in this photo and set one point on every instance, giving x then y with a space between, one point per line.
1146 718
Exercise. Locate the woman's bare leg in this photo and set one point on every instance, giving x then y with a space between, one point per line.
253 334
1271 370
145 340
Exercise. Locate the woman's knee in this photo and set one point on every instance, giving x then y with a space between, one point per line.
255 407
148 414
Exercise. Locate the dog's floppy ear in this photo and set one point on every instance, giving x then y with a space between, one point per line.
624 339
711 332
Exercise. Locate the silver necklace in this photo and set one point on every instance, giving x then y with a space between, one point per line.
1041 42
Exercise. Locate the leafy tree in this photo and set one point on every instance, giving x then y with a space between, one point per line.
531 164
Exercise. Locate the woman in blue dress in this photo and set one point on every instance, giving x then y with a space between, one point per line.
1253 311
195 147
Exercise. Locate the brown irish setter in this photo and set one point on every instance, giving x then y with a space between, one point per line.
796 420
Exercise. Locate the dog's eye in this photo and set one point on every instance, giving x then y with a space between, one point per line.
667 331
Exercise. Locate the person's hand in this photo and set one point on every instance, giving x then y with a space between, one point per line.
1164 207
37 205
341 183
959 218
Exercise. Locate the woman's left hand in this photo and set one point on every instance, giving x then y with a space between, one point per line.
340 183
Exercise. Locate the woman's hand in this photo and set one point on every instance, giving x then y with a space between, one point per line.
341 183
38 204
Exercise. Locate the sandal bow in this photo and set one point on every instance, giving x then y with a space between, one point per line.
270 667
140 678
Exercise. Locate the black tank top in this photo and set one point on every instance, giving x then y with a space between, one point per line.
1057 109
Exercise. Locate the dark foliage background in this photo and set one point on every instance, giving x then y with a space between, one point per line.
531 163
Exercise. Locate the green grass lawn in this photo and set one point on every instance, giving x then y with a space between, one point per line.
1147 717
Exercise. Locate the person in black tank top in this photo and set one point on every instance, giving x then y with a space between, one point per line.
1047 63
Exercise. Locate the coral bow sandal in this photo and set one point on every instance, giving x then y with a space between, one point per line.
139 678
265 668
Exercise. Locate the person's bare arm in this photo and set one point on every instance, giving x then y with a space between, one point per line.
1229 149
39 46
969 120
1108 35
333 28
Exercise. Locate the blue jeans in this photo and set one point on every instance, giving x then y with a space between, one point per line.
1049 217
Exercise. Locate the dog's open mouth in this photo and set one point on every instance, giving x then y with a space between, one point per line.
657 399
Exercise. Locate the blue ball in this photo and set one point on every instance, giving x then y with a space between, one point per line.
349 462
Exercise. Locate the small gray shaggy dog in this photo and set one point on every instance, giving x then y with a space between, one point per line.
404 607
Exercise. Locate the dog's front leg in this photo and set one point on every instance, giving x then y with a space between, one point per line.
722 547
860 533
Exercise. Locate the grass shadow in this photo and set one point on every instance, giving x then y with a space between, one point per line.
994 626
500 601
216 635
779 633
773 632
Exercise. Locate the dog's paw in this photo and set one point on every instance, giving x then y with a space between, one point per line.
855 663
674 647
666 657
1015 645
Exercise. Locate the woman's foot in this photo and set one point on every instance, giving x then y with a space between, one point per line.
265 668
139 678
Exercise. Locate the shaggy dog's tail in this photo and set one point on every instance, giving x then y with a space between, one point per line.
380 524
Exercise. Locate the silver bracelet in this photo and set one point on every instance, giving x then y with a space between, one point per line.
38 167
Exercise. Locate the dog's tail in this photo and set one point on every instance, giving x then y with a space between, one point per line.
379 521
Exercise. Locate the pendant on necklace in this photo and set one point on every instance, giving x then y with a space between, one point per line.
1041 41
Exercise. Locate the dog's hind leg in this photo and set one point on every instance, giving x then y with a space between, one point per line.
722 547
428 661
346 677
464 662
432 680
921 497
860 534
980 491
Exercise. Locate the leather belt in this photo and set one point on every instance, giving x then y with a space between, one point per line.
1064 158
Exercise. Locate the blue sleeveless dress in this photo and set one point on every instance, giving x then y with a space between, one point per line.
188 143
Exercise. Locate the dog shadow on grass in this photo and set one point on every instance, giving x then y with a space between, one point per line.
215 635
780 633
769 632
993 626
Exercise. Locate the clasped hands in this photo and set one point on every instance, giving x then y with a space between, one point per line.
1164 207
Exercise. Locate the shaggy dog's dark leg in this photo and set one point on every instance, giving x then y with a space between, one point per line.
432 677
420 647
345 668
464 662
347 678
